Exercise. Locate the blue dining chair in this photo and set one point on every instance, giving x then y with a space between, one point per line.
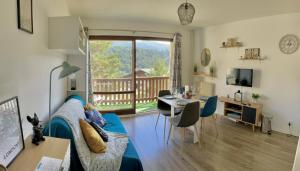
209 110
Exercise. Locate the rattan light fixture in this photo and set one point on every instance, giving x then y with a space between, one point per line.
186 12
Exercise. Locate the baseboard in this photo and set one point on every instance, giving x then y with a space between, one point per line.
138 114
277 131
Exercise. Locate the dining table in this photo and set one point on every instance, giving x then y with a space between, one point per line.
179 102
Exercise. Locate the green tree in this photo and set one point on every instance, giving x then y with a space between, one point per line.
103 63
160 68
113 59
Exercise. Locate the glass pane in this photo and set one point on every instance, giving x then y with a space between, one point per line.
111 65
152 72
113 101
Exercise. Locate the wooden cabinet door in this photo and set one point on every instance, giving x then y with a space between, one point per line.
249 114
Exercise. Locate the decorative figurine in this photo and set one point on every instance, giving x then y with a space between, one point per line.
224 44
37 129
238 96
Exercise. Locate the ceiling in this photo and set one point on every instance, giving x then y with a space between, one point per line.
208 12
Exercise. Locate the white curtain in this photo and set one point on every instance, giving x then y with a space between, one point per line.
175 63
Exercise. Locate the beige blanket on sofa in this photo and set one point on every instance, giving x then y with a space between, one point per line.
111 160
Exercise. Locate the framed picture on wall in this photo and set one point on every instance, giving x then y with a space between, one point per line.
11 133
25 16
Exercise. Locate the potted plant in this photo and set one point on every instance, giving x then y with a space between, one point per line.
255 97
212 70
195 68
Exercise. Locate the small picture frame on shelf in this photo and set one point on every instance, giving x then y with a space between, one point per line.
252 53
247 54
231 42
256 53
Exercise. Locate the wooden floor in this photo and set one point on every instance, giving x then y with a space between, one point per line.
235 148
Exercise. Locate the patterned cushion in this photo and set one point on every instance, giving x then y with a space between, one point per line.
92 138
96 117
99 130
89 106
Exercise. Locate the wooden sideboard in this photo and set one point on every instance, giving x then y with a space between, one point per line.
246 111
32 154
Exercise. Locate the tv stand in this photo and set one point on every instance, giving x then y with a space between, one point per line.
245 111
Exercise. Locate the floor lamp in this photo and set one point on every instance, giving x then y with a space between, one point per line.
67 70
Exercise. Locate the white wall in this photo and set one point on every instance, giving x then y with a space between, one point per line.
25 63
80 76
277 79
187 38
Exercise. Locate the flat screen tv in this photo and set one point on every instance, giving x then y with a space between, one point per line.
239 77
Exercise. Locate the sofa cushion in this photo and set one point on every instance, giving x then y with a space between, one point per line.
89 106
131 160
99 130
95 117
92 138
113 123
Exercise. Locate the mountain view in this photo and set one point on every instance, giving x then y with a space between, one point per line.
113 59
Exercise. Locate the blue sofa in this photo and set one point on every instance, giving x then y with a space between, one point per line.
61 129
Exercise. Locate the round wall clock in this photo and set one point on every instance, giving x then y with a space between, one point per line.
289 44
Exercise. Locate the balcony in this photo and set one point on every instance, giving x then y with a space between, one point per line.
106 96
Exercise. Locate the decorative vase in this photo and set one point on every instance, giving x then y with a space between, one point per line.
212 71
254 100
195 69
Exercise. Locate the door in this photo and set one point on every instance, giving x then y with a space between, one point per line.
128 72
249 114
113 74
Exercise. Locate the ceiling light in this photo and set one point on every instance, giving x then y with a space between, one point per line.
186 12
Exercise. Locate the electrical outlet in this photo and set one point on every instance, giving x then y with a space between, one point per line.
290 124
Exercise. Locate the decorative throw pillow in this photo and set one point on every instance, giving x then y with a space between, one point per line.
89 106
99 130
96 117
99 114
92 138
89 114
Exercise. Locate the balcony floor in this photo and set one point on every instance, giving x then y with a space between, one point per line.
140 107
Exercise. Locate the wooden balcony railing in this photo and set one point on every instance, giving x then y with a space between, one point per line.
147 89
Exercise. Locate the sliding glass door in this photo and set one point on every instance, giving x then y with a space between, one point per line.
112 66
128 72
152 72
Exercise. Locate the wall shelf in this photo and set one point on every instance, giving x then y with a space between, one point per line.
236 46
231 43
253 59
203 74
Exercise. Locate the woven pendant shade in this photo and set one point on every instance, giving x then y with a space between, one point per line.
186 12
